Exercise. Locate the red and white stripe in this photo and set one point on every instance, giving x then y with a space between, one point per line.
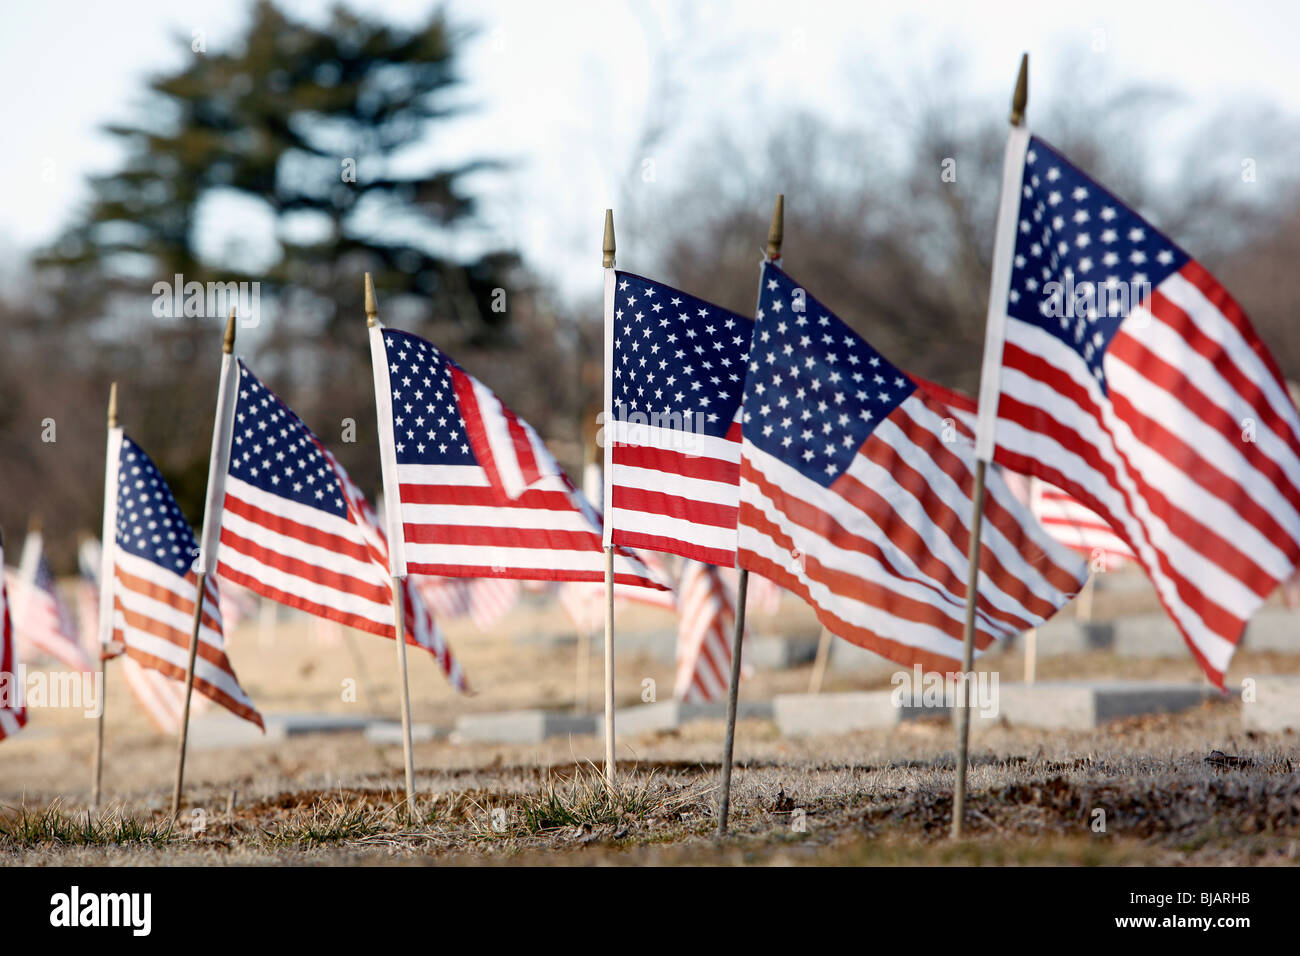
153 613
1061 516
161 697
705 633
420 626
40 617
463 521
13 713
881 554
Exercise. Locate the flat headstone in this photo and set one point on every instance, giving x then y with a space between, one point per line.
521 726
1083 705
1065 634
847 658
671 714
390 732
774 653
806 715
1273 629
227 730
1276 706
1147 635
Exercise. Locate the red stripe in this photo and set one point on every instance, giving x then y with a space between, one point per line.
674 506
702 467
722 557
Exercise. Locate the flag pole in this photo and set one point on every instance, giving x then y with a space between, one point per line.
97 773
984 451
201 579
607 262
775 236
399 615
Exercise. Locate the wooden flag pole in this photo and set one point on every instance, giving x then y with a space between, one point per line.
607 262
201 579
1018 103
775 235
821 661
97 774
399 620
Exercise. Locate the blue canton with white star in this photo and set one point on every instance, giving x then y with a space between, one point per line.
275 452
676 355
814 390
428 428
149 522
1073 230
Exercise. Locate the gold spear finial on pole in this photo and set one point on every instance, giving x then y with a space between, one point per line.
608 246
372 307
228 343
112 405
1020 99
776 231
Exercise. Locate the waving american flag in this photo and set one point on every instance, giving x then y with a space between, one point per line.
13 712
470 488
155 587
41 619
705 632
295 529
856 494
1120 371
672 435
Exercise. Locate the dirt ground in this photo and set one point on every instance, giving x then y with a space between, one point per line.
1142 791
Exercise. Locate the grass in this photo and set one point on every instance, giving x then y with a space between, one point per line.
585 801
52 827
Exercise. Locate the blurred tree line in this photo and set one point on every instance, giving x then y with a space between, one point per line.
889 220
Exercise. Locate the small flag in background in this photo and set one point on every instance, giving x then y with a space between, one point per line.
155 586
1122 373
485 600
856 494
40 618
705 632
13 715
469 487
295 529
672 433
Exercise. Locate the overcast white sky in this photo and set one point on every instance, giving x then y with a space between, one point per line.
563 85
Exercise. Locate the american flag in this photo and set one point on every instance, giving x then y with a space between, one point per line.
1120 371
13 715
295 529
856 494
40 616
1076 527
1060 515
705 633
162 698
484 600
469 486
672 435
155 586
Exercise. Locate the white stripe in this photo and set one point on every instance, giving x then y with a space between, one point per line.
1004 247
683 529
387 452
691 444
218 463
694 489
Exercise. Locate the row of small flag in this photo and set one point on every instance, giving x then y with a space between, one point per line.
784 445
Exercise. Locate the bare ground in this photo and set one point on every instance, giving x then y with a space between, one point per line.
862 798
